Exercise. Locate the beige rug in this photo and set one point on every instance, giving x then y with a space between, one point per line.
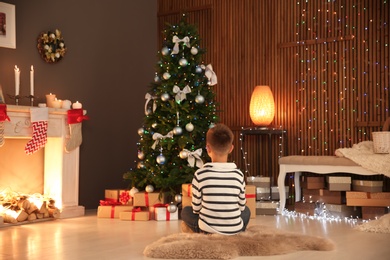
256 241
380 225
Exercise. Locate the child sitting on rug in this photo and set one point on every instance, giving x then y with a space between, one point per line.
218 190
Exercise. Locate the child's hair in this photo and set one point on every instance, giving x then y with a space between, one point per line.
220 138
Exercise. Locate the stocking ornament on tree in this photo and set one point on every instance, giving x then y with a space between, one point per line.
39 118
3 117
75 119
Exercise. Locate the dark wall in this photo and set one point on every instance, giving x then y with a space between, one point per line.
108 66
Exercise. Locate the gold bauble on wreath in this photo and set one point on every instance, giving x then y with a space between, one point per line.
51 46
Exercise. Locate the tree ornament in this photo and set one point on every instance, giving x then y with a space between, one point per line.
194 51
189 127
166 75
183 154
149 188
178 198
183 62
133 191
154 125
141 131
198 69
161 159
156 78
172 208
140 165
177 130
165 51
211 125
199 99
141 155
165 97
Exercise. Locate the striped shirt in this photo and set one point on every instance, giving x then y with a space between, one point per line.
218 196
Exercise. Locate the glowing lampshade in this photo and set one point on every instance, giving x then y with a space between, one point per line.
262 106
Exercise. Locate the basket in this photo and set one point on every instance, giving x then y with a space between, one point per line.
381 142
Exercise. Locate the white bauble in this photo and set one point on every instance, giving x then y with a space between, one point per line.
211 125
141 131
154 125
183 154
160 159
149 188
140 165
166 75
177 130
165 51
190 127
141 155
183 62
198 69
194 51
165 97
199 99
133 191
156 78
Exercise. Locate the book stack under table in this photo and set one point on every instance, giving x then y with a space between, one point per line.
339 196
143 206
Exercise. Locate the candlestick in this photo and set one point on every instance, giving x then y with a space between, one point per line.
49 99
17 80
32 81
77 105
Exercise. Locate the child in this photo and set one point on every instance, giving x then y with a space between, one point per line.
218 190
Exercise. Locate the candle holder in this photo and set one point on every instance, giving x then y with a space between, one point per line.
16 97
31 97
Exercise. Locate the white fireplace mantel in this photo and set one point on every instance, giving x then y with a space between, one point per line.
61 168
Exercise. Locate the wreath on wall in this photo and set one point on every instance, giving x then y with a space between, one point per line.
51 46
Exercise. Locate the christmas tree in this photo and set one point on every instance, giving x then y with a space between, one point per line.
179 109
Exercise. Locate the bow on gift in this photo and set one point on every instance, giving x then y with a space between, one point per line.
176 41
181 94
149 97
109 203
210 74
194 158
124 197
157 137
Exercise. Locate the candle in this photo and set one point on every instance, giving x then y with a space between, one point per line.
32 81
77 105
57 103
49 99
17 80
66 104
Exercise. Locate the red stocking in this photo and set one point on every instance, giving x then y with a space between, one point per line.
3 117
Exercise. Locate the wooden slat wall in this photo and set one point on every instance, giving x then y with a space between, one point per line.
327 63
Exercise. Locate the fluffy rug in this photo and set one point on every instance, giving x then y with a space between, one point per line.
380 225
255 241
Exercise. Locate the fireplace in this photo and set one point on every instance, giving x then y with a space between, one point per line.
51 170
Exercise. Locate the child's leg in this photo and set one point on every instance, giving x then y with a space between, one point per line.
190 219
245 215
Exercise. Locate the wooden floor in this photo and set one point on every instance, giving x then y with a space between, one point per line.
89 237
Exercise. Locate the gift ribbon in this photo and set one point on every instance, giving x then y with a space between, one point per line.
109 202
135 210
250 196
167 213
146 199
194 158
181 94
189 190
210 74
157 137
176 40
124 197
149 97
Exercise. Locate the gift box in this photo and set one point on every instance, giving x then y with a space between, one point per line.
374 212
137 214
374 199
146 199
250 195
186 190
338 183
112 211
266 208
262 182
344 211
309 182
305 207
367 186
125 198
161 213
275 192
263 193
323 195
111 195
186 201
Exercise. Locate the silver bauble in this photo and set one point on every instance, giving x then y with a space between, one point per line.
160 159
140 165
194 51
190 127
133 191
141 131
199 99
183 62
165 51
198 69
183 154
166 75
149 188
177 130
165 97
141 155
172 208
178 198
